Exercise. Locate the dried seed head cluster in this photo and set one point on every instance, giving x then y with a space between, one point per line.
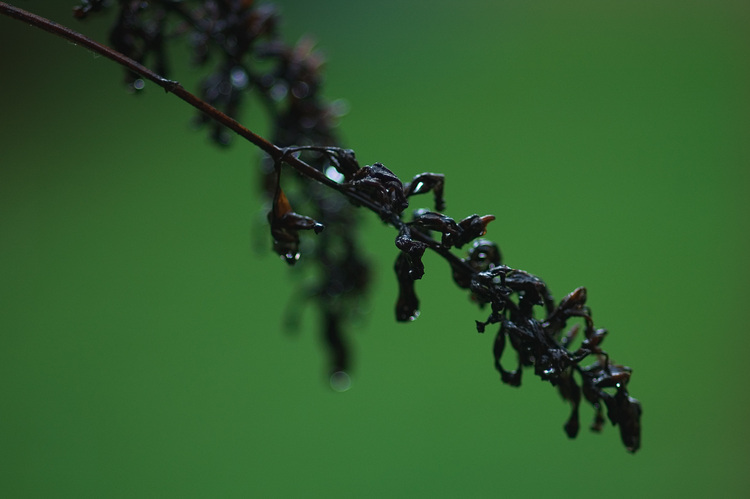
241 39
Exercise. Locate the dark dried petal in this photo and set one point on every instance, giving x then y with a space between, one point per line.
570 391
630 426
572 305
285 227
626 411
407 304
607 375
414 250
599 420
346 163
472 227
431 221
425 182
489 287
512 378
382 187
484 255
572 425
531 290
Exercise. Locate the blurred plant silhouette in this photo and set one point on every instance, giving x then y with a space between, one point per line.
240 43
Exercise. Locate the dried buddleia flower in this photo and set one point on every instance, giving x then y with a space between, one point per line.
426 182
407 304
285 227
240 38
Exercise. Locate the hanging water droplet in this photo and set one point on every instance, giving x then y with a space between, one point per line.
291 257
340 381
339 107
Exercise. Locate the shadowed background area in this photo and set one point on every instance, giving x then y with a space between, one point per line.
142 352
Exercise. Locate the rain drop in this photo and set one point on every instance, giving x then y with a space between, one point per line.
239 78
334 174
340 381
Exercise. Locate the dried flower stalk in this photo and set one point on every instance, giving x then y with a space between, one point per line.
241 41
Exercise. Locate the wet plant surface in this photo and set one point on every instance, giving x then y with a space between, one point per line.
239 43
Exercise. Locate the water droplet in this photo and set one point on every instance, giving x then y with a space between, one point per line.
340 381
339 107
139 84
290 257
239 78
333 174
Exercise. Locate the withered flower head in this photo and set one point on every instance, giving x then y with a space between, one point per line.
240 41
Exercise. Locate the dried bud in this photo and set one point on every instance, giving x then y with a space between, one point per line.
413 250
345 162
570 391
484 255
471 227
512 378
425 182
285 227
382 187
407 304
431 221
625 411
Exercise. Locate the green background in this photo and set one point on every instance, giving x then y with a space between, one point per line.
141 352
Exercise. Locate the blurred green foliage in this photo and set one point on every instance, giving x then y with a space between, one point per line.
141 347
